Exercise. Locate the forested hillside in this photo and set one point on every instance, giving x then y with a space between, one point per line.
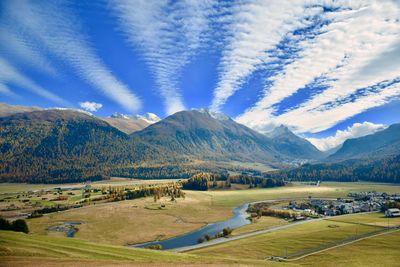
63 146
385 170
54 146
378 145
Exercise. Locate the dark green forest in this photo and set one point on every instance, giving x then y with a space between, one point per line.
386 170
205 181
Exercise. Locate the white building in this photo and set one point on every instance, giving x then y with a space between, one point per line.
392 213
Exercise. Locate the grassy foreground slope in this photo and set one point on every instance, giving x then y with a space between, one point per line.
376 251
305 236
18 249
286 241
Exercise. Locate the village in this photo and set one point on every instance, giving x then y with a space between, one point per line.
355 203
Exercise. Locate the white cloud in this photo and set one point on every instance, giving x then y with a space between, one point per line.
318 120
168 33
354 131
15 44
358 48
255 28
90 106
6 91
58 30
8 74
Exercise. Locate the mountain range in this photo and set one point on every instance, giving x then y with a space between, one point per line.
125 123
68 145
379 145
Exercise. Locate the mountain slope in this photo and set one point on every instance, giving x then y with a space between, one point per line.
63 145
7 110
378 145
127 125
130 124
203 135
291 145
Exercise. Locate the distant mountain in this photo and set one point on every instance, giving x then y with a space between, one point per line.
7 110
291 145
130 124
127 125
208 135
332 151
378 145
205 135
149 117
64 146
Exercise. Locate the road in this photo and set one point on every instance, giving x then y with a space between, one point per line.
214 242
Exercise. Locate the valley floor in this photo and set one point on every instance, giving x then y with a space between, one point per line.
106 228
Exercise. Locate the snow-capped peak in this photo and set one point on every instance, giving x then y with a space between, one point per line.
216 115
151 117
117 115
147 117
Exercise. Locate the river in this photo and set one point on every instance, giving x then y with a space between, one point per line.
238 219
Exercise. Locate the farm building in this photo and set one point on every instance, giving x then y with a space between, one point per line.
392 213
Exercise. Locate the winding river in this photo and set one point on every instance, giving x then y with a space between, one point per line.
238 219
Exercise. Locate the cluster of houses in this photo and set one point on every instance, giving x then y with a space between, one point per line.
357 202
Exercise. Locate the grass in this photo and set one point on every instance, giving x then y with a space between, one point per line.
18 249
133 223
263 222
373 219
18 200
136 221
377 251
286 241
115 181
140 220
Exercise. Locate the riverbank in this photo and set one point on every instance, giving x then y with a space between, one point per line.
238 219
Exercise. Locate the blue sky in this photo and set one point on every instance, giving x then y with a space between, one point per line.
326 69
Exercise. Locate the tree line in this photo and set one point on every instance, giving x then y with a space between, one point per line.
204 181
118 193
16 226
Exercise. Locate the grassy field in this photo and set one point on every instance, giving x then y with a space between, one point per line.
263 222
17 249
20 200
286 241
296 238
140 220
373 219
377 251
115 181
136 221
